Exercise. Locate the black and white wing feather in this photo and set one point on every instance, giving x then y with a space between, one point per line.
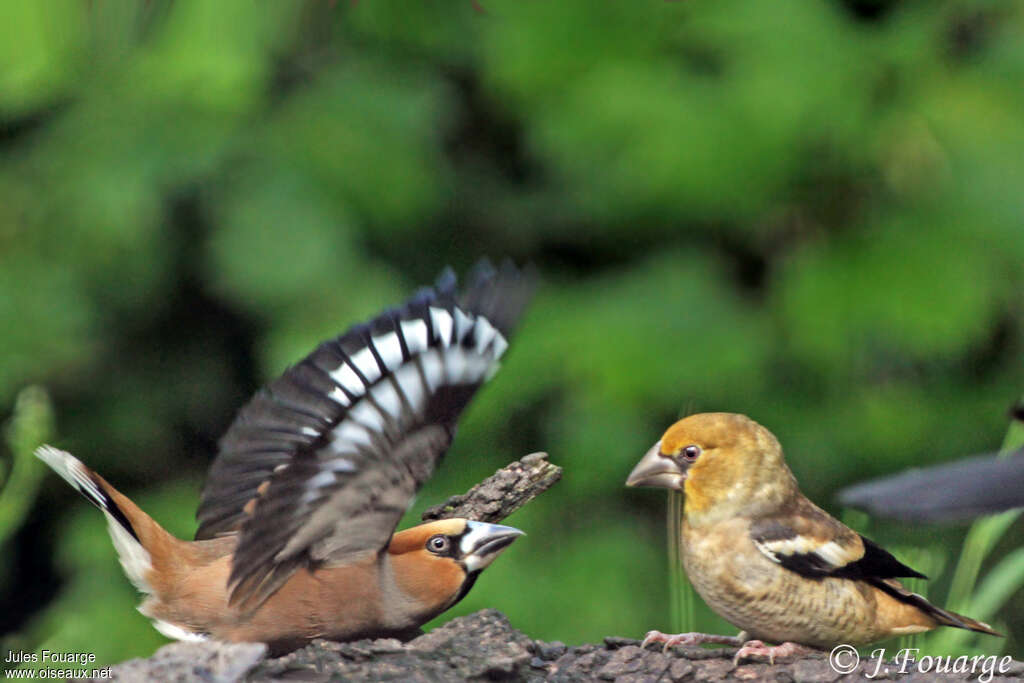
808 541
322 463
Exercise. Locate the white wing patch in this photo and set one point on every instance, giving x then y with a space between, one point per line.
320 479
412 383
390 349
366 415
455 366
463 323
433 370
349 433
415 333
484 333
830 552
766 551
408 378
387 398
833 553
347 378
338 396
340 465
367 364
500 344
442 322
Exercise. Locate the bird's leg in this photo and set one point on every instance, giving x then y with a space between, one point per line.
756 648
691 639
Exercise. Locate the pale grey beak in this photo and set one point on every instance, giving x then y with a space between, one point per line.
483 542
657 471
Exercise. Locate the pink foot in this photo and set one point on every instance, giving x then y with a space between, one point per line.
688 639
756 648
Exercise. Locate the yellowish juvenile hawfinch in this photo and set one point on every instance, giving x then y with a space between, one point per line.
297 521
767 559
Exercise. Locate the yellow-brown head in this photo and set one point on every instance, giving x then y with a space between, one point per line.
436 564
726 464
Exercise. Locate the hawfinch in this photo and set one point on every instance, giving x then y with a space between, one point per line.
767 559
296 535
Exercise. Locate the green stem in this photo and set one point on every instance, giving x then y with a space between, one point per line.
30 426
681 595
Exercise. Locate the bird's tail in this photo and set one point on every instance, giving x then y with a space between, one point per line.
941 616
137 538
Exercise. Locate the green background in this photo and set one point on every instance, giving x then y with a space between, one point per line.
808 212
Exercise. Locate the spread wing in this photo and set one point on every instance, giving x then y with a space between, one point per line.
808 541
323 462
967 488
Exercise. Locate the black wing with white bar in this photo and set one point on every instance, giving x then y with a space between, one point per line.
320 466
806 540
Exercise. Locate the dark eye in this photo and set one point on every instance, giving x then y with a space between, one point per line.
690 453
438 544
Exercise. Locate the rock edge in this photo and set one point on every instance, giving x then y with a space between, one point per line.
485 646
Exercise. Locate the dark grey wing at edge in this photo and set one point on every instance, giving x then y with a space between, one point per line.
959 490
323 462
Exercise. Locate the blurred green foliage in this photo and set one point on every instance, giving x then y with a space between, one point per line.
808 212
29 426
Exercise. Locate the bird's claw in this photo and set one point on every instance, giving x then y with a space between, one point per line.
757 648
686 639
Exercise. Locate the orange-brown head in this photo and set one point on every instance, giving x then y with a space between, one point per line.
435 564
726 464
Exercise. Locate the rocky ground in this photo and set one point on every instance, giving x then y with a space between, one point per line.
485 646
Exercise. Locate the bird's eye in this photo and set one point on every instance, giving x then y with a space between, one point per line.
438 544
690 453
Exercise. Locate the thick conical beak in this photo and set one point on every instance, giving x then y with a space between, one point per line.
483 542
657 471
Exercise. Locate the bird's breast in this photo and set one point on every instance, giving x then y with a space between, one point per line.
769 601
